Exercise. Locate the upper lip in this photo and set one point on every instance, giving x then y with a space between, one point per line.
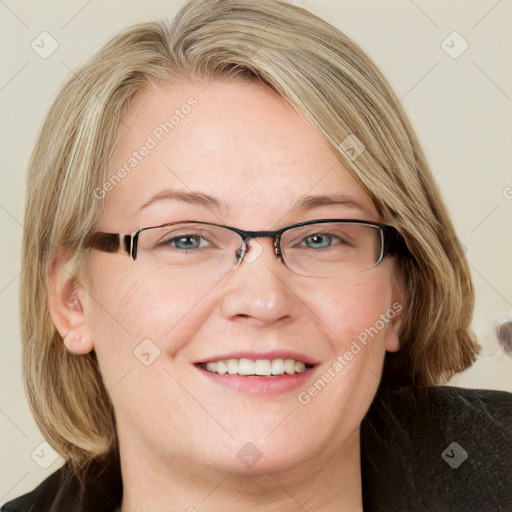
273 354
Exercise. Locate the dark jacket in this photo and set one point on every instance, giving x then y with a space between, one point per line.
422 449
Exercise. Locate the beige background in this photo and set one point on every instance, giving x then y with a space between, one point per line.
461 108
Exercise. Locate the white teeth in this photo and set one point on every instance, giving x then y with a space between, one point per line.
261 367
277 367
222 367
245 367
211 367
289 366
232 366
299 366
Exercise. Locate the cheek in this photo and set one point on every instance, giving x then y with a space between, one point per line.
356 317
127 306
355 309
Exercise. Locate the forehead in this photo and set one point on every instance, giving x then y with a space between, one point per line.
238 142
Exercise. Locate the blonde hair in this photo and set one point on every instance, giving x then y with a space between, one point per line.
334 86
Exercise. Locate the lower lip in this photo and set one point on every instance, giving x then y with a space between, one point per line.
255 385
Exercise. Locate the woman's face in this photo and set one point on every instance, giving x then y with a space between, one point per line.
233 154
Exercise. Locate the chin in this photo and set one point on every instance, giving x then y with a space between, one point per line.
262 448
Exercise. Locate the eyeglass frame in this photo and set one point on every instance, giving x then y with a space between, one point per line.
391 239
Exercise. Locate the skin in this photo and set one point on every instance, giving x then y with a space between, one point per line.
179 432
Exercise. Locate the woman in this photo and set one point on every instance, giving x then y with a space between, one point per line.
242 285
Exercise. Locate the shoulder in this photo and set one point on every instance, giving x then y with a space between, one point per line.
444 406
33 501
99 490
438 448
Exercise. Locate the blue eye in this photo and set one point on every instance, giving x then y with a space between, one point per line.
185 242
319 241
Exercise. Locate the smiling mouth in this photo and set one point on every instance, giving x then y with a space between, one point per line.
256 368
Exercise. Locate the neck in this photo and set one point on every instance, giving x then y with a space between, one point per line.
324 483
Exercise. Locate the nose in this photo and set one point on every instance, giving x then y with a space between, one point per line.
250 248
257 291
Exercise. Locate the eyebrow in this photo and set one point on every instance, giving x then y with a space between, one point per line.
312 201
195 198
304 203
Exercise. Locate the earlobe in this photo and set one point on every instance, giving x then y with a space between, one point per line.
77 343
392 342
395 321
395 312
66 308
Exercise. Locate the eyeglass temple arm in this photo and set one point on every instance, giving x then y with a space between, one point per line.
110 242
394 241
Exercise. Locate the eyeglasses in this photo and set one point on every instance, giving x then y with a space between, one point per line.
318 248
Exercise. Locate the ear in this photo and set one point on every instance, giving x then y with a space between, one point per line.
65 306
392 341
395 315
